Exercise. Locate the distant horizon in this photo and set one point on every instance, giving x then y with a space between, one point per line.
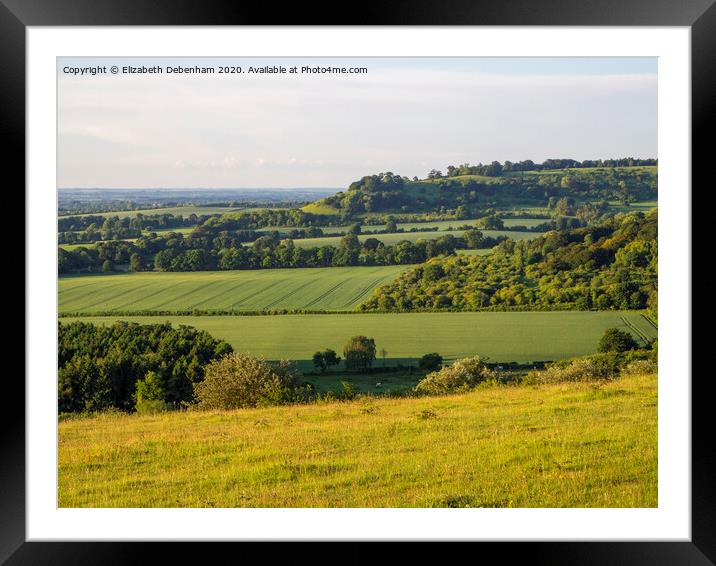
196 188
291 188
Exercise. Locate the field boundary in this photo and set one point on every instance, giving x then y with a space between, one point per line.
631 326
289 311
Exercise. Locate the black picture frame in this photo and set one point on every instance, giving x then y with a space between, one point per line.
16 15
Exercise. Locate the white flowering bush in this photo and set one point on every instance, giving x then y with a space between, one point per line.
462 375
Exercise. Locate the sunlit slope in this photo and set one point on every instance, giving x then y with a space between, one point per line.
568 445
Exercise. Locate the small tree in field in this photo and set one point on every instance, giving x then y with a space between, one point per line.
460 376
240 380
615 340
149 396
331 358
319 362
326 359
359 353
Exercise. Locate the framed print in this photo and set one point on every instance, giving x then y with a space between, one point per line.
358 283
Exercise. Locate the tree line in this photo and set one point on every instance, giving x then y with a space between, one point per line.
85 229
174 252
268 218
495 169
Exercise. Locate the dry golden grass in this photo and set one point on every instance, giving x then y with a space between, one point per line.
565 445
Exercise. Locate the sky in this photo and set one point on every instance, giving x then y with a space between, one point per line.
405 115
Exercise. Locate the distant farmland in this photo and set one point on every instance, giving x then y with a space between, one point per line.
175 210
181 230
441 225
391 239
335 288
502 336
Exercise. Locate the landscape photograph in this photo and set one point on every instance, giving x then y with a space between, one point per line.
357 282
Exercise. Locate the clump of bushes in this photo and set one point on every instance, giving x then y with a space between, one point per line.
462 375
640 367
239 380
584 369
598 367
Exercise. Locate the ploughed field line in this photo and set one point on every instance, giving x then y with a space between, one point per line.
318 288
650 321
294 290
631 326
260 291
363 292
331 290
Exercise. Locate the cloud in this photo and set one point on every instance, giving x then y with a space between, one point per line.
327 130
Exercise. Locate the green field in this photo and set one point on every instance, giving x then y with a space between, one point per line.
443 226
388 239
181 230
474 252
529 222
175 210
335 288
501 336
391 239
71 247
320 208
643 206
567 445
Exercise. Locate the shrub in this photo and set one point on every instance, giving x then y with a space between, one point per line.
348 392
640 367
585 369
431 362
615 340
149 395
240 380
460 376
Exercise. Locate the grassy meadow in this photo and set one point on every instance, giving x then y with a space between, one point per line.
335 288
501 336
566 445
